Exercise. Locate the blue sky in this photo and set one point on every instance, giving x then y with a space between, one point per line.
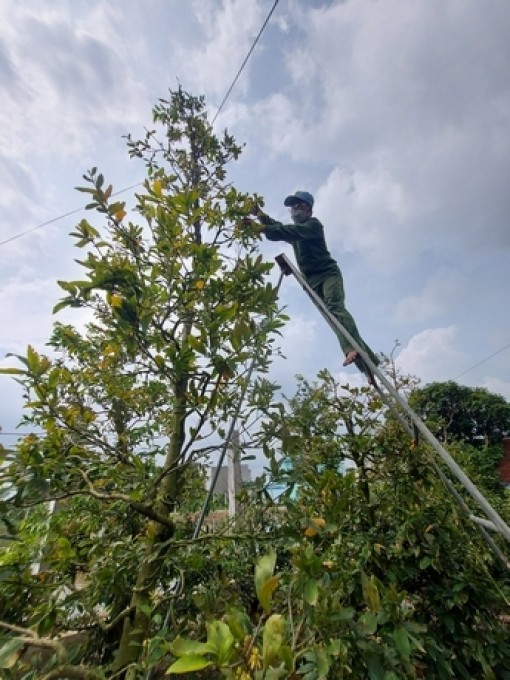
396 116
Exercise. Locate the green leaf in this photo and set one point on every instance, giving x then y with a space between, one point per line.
220 640
375 668
311 592
85 190
322 663
368 622
371 592
47 622
402 641
275 673
188 664
181 647
266 592
425 562
11 371
265 582
239 623
10 652
272 639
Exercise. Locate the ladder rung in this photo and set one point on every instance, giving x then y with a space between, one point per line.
483 522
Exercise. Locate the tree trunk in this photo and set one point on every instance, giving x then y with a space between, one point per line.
136 626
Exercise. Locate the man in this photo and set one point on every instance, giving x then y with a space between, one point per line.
320 270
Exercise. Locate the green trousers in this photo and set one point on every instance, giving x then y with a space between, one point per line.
331 291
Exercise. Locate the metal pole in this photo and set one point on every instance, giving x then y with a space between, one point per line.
233 476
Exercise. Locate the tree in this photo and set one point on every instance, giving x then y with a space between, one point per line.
179 306
373 574
457 413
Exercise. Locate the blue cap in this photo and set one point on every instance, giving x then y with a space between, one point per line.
298 197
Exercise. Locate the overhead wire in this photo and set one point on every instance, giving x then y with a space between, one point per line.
60 217
241 68
220 108
150 673
482 361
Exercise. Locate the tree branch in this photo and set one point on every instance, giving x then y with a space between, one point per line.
73 673
30 637
145 510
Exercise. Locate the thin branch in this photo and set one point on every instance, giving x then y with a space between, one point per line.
111 624
223 537
18 629
30 637
145 510
73 673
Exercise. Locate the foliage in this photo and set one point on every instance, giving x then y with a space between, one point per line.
376 575
457 413
366 573
178 307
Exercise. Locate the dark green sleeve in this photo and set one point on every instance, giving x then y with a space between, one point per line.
276 231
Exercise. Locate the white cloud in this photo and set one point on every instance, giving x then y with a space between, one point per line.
423 132
368 213
432 355
69 81
442 291
33 321
298 344
229 32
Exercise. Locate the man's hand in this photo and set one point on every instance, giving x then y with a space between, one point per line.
251 225
256 206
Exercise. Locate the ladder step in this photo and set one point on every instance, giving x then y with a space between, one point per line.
483 522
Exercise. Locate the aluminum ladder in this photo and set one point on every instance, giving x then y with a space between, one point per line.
414 426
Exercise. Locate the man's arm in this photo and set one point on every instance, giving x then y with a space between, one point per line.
277 231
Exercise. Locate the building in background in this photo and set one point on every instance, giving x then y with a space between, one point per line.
504 466
221 486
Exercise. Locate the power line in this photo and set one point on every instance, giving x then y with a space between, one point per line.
482 361
18 434
245 61
233 84
60 217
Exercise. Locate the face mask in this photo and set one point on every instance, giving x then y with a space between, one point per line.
298 216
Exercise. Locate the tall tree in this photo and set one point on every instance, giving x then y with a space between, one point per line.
459 413
175 294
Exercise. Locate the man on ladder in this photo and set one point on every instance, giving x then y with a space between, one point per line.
320 270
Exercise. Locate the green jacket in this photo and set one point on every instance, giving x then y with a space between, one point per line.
310 249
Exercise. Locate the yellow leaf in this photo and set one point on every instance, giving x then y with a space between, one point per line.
157 188
267 590
120 215
315 524
115 300
199 284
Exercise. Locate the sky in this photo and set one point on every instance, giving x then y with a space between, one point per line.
394 115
